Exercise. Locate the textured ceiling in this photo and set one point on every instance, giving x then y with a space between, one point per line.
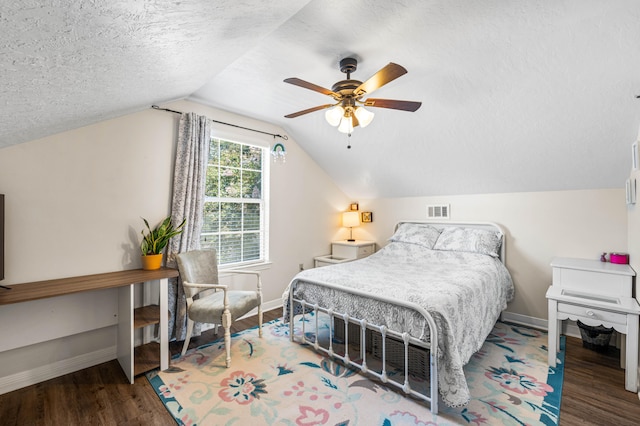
516 95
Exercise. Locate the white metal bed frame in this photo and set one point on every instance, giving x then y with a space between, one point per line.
407 339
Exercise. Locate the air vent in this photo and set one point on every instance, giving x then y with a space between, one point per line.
438 211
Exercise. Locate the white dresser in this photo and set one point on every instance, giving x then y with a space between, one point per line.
345 251
595 293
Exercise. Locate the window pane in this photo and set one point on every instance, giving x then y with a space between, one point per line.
251 157
211 183
229 183
251 246
230 217
229 154
251 217
214 152
251 184
230 248
209 241
211 217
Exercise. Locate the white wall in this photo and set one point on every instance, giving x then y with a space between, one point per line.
73 207
538 225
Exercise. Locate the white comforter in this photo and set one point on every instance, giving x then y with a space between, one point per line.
463 292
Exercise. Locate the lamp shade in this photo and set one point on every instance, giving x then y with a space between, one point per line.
350 219
333 115
346 125
364 116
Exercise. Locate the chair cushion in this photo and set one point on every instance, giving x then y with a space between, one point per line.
209 309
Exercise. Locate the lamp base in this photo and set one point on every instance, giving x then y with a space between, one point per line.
351 240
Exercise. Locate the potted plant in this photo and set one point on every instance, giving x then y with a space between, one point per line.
155 240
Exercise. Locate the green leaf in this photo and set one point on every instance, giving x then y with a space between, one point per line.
155 240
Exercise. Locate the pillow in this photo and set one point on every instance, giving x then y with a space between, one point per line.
416 233
470 240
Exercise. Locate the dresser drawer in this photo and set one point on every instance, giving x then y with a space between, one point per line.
352 250
588 313
365 251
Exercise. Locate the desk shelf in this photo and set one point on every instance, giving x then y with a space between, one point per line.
146 315
146 358
132 360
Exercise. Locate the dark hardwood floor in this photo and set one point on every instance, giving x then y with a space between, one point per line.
593 393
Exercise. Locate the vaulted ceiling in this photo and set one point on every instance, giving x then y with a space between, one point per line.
516 95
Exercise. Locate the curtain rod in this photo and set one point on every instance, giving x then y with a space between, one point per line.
285 137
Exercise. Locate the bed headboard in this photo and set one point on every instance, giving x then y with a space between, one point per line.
489 226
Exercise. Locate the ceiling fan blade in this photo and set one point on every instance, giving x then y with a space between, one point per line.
379 79
297 82
393 104
307 111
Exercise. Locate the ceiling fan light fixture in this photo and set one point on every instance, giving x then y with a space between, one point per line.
334 115
364 116
346 125
346 112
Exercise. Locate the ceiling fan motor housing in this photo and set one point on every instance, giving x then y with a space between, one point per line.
348 65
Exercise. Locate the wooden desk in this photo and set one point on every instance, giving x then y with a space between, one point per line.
129 318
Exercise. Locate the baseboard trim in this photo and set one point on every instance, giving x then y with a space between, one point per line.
569 328
56 369
266 306
524 320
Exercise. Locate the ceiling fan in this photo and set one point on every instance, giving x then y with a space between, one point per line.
347 112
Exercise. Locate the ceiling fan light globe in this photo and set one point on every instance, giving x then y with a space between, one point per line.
364 116
334 115
346 125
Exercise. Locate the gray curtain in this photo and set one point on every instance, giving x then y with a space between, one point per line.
192 156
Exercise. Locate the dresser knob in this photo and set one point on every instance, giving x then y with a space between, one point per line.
590 313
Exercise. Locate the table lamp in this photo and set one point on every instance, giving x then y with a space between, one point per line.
349 220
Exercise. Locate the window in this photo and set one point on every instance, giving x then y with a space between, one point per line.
235 202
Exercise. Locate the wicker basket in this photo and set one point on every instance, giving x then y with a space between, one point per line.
595 338
418 356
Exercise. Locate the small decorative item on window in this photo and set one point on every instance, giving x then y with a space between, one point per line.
279 153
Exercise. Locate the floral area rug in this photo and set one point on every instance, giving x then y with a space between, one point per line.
272 381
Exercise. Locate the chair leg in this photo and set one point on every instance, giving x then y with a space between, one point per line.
260 320
226 324
188 337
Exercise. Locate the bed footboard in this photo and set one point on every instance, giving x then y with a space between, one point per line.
364 346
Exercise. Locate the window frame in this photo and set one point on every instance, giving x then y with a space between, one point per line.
263 202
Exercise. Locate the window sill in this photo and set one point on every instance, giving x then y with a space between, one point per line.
259 266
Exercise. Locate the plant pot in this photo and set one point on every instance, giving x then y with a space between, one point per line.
151 262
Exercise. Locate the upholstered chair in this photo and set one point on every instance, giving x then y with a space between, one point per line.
199 272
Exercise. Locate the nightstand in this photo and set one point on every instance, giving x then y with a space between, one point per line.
345 251
595 293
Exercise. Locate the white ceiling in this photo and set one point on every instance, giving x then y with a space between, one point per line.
516 95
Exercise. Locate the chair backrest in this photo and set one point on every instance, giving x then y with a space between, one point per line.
198 266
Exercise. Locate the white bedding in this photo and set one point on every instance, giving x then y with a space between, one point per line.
463 292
